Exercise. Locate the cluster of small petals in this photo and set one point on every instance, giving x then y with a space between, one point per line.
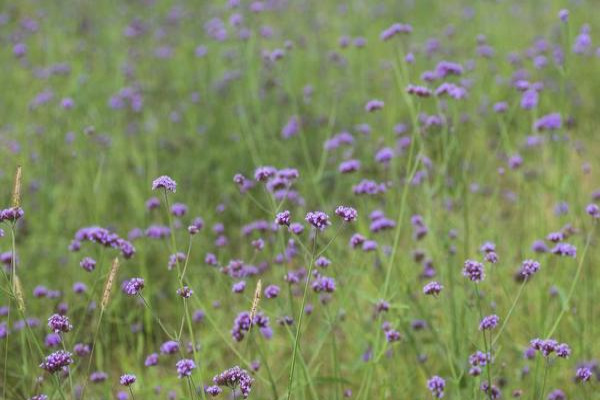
151 360
164 182
59 323
185 292
169 347
374 105
263 174
318 219
369 187
272 291
436 386
11 214
133 286
324 284
549 122
104 237
213 390
419 91
583 374
549 346
283 218
57 361
489 322
593 210
432 288
185 367
127 379
394 30
89 264
474 271
235 378
349 214
529 268
349 166
564 249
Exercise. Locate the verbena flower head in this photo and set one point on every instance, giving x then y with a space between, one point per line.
185 367
59 323
283 218
349 214
593 210
151 360
529 268
565 250
474 271
213 390
235 378
185 292
583 374
374 105
127 379
489 322
436 386
164 182
133 286
432 288
318 219
57 361
11 214
272 291
169 347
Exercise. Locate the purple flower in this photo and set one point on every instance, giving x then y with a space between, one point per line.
262 174
593 210
133 286
349 214
235 378
185 367
185 292
529 99
11 214
179 209
151 360
318 219
57 361
549 122
238 287
565 249
324 284
583 374
474 271
563 350
98 376
164 182
374 105
349 166
436 386
419 91
489 322
271 291
283 218
213 390
127 379
563 15
557 394
59 323
432 288
528 268
169 347
291 128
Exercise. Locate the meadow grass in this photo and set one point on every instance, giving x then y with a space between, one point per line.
101 98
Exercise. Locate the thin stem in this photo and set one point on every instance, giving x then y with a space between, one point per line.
297 338
510 311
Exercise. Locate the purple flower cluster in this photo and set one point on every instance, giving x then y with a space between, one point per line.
164 182
57 361
133 286
104 237
185 367
235 378
318 219
474 271
11 214
59 323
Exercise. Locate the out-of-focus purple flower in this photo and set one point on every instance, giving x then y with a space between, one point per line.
529 268
529 100
433 288
489 322
271 291
593 210
419 91
324 284
563 15
179 209
564 249
349 166
283 218
436 386
238 287
583 374
127 379
549 122
185 367
291 128
374 105
151 360
133 286
185 292
169 347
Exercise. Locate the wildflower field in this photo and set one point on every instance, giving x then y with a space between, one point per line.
299 199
